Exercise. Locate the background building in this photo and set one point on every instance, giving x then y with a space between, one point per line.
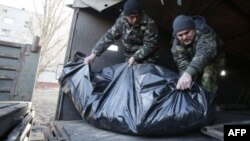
15 27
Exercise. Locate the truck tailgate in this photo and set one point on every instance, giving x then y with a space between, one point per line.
79 130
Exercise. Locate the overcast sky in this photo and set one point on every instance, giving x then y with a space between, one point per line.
26 4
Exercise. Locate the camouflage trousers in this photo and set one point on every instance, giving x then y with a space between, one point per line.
209 79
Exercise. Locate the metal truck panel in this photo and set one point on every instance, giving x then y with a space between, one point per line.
80 130
11 114
98 5
18 68
89 25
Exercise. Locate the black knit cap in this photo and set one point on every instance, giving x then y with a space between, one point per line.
131 7
182 22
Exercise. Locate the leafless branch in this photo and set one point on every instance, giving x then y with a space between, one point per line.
50 23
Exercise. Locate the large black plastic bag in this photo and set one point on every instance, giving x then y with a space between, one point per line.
141 100
75 81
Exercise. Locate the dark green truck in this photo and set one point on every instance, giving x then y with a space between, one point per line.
92 19
229 18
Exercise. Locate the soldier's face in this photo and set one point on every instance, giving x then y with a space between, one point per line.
186 37
133 19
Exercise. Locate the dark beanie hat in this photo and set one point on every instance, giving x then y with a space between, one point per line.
131 7
182 22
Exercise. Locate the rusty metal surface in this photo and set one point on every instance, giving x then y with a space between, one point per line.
79 129
99 5
230 18
83 39
18 66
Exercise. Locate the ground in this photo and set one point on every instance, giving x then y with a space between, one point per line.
44 103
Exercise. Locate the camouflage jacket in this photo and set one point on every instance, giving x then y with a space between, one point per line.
139 41
205 50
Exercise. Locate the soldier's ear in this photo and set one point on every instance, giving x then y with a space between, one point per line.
178 41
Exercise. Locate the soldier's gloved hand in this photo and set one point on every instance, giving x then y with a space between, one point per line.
131 61
184 81
89 59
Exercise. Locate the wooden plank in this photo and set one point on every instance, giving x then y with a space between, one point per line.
48 135
60 135
11 114
26 139
25 132
22 129
36 133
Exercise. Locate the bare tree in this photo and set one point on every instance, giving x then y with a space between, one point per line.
50 26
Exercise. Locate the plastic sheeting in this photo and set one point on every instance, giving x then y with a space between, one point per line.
140 100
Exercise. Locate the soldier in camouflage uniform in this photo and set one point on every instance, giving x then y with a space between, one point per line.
197 51
137 32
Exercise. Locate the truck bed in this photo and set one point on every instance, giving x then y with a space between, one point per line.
80 130
15 120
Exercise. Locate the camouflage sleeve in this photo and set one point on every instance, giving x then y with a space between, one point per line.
150 40
180 57
108 38
206 50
